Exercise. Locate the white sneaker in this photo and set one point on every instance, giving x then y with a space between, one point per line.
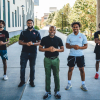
5 77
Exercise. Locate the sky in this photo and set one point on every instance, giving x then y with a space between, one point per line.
45 4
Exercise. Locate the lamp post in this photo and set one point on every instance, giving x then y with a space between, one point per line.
62 20
23 15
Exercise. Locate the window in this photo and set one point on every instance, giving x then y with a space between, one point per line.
13 1
18 15
15 18
20 20
8 14
12 19
4 10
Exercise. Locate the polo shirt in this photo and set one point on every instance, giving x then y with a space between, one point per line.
79 39
3 37
48 42
27 36
97 47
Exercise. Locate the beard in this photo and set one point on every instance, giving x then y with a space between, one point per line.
52 35
1 27
30 27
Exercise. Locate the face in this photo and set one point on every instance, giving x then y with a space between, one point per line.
52 31
1 25
30 24
76 28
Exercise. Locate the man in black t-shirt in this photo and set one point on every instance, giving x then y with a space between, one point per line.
4 39
51 44
97 51
30 39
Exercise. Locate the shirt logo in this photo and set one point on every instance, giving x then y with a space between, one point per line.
79 37
33 32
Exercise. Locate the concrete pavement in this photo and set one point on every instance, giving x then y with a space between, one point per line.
10 91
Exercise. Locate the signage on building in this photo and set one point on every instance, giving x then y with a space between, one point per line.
36 2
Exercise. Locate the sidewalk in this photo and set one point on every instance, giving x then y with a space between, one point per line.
10 91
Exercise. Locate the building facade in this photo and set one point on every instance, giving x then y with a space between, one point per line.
13 15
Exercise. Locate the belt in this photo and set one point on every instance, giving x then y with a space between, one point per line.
52 57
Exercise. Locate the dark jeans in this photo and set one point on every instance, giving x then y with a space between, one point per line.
23 62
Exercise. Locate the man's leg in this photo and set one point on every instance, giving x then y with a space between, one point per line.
70 73
4 60
55 68
82 73
47 66
32 59
4 66
23 62
71 64
97 65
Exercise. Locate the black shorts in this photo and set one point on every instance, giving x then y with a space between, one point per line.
72 60
97 56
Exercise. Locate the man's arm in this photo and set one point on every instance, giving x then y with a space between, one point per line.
23 43
36 44
97 40
4 43
68 46
50 49
59 50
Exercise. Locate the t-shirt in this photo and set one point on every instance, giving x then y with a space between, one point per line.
48 42
79 39
3 36
27 36
97 47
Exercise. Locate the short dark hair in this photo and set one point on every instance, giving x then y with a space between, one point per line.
78 23
30 20
1 21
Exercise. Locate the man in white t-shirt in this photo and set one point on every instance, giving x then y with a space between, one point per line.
76 42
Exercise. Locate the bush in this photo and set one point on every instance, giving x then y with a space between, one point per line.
13 40
36 27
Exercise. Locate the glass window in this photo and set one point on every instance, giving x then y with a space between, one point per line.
12 19
20 20
15 18
8 14
13 1
18 15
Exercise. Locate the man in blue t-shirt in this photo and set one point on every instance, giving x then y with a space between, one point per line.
30 39
4 39
76 42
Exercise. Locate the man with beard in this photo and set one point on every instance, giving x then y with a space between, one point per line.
30 39
76 42
4 39
51 60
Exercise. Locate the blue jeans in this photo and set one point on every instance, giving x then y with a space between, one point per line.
23 61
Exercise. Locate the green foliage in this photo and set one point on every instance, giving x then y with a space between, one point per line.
83 11
36 27
12 40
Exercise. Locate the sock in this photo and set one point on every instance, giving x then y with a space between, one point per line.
69 81
97 72
83 82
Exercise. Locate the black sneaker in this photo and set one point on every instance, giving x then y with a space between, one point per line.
57 95
21 84
32 84
47 95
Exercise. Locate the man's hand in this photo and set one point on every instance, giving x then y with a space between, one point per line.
29 43
76 47
1 43
52 49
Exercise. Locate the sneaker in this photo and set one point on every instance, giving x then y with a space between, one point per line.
32 84
57 95
47 95
83 87
5 77
96 76
68 86
21 84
